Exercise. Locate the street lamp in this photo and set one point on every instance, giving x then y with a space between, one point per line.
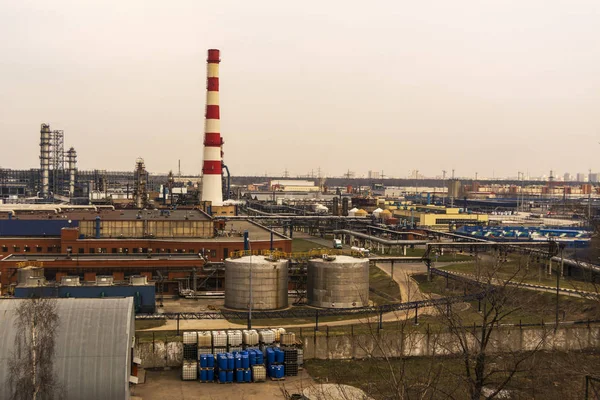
250 289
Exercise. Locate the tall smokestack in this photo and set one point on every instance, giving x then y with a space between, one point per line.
212 167
45 159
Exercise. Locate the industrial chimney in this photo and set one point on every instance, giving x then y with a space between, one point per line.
212 167
45 137
72 165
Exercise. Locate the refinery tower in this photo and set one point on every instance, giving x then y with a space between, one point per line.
213 143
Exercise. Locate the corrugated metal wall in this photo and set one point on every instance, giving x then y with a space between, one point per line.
17 227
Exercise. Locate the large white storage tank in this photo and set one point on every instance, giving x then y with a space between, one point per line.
269 283
340 282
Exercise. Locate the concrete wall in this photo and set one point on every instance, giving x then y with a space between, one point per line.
396 344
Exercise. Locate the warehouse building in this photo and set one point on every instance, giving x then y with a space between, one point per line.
94 350
438 217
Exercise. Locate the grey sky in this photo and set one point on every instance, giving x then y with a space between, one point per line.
487 86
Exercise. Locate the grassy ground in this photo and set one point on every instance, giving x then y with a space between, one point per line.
302 245
541 376
386 290
527 306
535 274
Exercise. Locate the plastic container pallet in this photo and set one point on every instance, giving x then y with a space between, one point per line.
234 338
189 371
287 339
250 337
190 352
219 338
259 373
190 338
290 355
291 369
267 336
204 339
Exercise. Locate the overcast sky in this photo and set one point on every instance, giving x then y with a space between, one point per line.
492 87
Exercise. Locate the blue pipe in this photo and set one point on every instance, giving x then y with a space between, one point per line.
246 241
428 198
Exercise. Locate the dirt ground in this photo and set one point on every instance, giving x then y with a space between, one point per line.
165 385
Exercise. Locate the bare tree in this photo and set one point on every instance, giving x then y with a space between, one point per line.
490 364
31 366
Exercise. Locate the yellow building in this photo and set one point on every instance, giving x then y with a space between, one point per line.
438 217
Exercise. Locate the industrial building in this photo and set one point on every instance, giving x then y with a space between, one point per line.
31 282
94 354
438 217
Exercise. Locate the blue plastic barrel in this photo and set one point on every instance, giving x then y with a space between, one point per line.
238 361
222 362
229 376
248 375
203 360
245 361
239 375
222 376
252 357
271 370
279 371
279 355
210 360
210 375
270 356
203 375
230 361
259 357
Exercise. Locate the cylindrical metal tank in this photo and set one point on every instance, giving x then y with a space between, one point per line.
342 282
269 283
24 274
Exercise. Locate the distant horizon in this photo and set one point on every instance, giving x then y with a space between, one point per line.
493 88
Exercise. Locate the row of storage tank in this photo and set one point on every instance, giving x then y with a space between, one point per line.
252 357
332 282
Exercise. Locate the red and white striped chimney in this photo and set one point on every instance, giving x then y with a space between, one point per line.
212 167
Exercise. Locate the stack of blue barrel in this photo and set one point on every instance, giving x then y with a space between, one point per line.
225 367
242 367
275 358
206 368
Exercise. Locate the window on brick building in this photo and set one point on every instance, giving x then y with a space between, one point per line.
4 249
80 250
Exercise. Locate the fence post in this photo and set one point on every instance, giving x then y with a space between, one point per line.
417 314
317 320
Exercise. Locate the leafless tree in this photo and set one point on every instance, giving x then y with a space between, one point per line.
489 364
31 366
